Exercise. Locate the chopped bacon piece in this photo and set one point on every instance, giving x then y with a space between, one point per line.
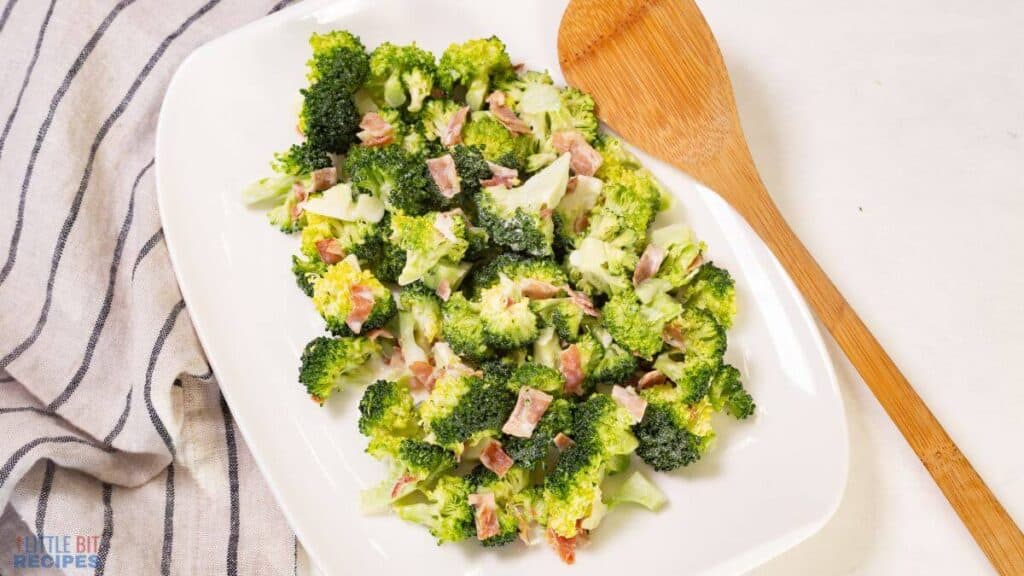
581 223
424 373
546 212
444 290
495 459
628 399
401 486
564 547
442 170
580 299
538 289
530 406
453 131
696 262
330 250
501 176
650 263
445 225
505 115
300 193
486 515
362 305
652 378
584 159
380 333
563 442
324 178
673 336
569 366
375 130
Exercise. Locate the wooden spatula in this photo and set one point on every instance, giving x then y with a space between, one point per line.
657 75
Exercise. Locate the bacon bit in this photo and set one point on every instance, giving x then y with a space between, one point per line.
495 459
581 223
300 193
324 178
538 289
316 399
580 299
569 366
501 176
380 333
546 212
650 263
486 515
442 170
508 118
453 131
652 378
424 374
398 490
510 302
584 159
519 67
444 290
330 250
628 399
376 131
436 92
563 442
696 262
674 337
444 224
397 360
564 547
362 304
530 406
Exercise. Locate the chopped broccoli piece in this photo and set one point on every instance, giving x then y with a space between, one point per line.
330 363
573 212
446 512
386 414
465 408
528 452
705 345
339 59
419 321
538 377
598 267
562 314
428 240
682 253
401 73
394 175
475 65
496 142
673 432
300 159
437 114
463 327
508 321
727 393
329 120
517 267
471 167
307 271
712 289
638 325
334 297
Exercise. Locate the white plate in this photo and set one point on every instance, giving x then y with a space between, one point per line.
770 481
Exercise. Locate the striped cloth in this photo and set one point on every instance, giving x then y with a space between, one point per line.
112 427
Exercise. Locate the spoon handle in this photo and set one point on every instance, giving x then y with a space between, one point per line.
989 524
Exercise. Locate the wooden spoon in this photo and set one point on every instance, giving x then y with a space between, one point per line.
658 78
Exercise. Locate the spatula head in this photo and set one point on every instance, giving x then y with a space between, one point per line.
657 75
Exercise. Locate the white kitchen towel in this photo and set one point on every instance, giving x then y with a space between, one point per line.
117 453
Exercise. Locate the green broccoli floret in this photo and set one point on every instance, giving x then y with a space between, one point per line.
386 414
331 363
475 65
673 433
419 321
599 267
693 368
682 253
528 452
573 212
520 218
508 322
388 264
463 327
712 289
562 314
727 394
437 114
612 365
548 109
638 325
335 295
394 175
413 464
624 214
339 59
504 489
328 119
497 143
428 240
575 113
401 73
357 237
471 167
307 271
538 377
517 267
446 512
465 408
300 159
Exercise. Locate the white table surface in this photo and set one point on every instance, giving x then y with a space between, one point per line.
891 134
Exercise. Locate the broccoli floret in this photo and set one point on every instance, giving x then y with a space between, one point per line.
615 364
575 113
307 271
547 349
548 109
357 237
599 267
413 465
463 328
624 214
300 159
446 512
727 394
329 120
401 73
638 325
394 175
504 489
428 240
386 414
693 368
334 298
474 65
712 289
517 267
520 218
437 114
497 143
602 420
538 377
330 363
339 59
419 321
573 212
465 408
471 167
682 254
508 321
528 452
562 314
673 433
388 264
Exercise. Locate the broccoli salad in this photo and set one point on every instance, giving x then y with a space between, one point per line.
491 282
